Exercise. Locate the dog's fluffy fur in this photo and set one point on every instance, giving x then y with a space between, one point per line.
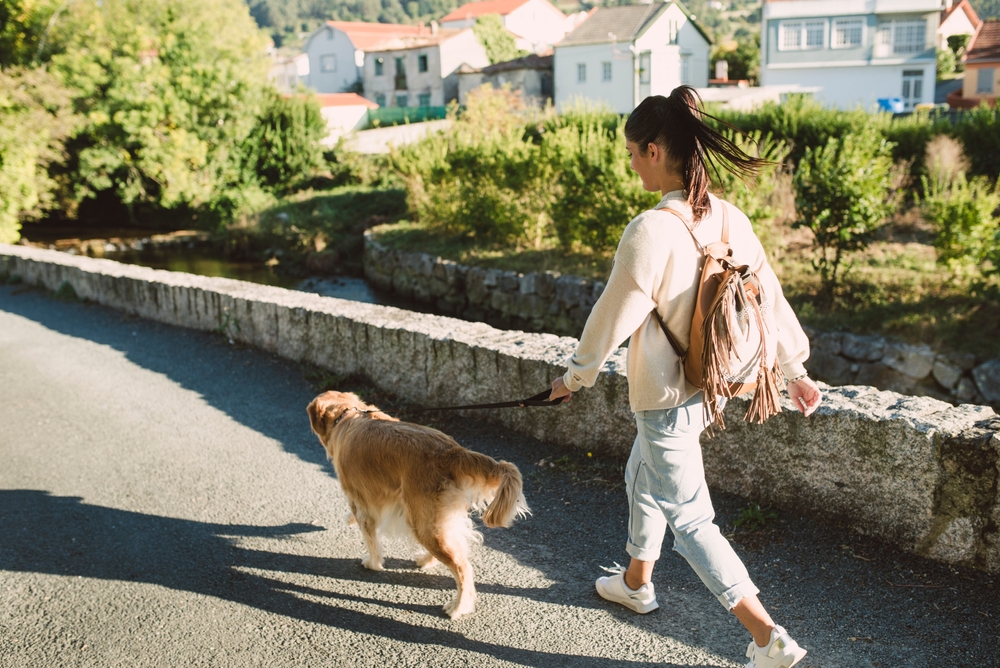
392 470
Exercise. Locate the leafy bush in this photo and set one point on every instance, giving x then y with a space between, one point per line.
34 120
946 63
843 196
496 40
283 146
964 214
979 132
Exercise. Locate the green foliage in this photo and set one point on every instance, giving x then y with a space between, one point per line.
66 292
987 9
34 120
753 517
499 43
22 28
843 196
958 44
964 213
946 63
283 146
742 56
979 132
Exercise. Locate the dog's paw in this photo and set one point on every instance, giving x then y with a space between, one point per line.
426 560
456 607
372 564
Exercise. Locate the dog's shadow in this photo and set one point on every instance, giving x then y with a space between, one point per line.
66 537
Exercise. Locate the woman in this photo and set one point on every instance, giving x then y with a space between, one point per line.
658 265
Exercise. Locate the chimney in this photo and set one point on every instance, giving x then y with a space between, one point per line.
434 27
722 70
948 4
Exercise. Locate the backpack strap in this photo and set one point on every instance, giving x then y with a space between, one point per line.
714 249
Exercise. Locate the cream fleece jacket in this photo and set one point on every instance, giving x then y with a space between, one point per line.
658 264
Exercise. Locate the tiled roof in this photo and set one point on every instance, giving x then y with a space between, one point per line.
530 62
985 44
624 22
471 10
367 36
344 100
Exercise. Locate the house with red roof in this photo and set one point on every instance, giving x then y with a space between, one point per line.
336 51
981 82
343 112
535 24
957 18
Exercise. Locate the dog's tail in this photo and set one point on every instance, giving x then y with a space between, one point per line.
508 503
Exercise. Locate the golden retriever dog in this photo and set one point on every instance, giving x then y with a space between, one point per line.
416 480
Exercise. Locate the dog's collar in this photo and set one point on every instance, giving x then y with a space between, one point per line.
344 414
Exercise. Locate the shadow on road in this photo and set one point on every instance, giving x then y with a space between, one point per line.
63 536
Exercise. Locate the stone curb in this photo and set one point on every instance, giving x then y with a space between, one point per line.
914 471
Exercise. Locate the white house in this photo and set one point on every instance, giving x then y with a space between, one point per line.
958 18
343 112
336 52
420 70
855 51
535 24
288 72
621 55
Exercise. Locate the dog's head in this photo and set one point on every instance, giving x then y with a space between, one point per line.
328 409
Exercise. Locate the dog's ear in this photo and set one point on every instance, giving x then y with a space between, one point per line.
317 417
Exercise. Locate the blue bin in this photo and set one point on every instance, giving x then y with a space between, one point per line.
893 104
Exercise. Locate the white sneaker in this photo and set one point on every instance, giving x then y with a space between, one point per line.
781 651
613 588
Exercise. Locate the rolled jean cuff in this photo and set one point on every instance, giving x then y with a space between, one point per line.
737 593
642 553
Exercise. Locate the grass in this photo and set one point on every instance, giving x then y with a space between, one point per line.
893 288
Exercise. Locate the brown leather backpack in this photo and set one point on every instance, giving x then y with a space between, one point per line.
733 345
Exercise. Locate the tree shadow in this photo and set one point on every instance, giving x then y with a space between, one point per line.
63 536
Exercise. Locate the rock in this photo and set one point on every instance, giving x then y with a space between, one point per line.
987 377
527 286
545 284
914 361
884 378
862 348
946 374
509 281
828 367
966 389
829 342
957 543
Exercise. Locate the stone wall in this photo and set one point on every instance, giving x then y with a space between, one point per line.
550 302
914 471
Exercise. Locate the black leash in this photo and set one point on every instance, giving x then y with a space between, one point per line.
540 399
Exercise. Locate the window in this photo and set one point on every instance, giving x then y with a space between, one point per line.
581 72
379 66
685 69
913 88
328 63
847 33
800 35
424 100
422 63
400 67
402 101
984 80
606 71
644 67
901 37
380 99
672 30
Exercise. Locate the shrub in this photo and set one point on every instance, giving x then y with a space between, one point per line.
843 196
964 214
979 132
946 63
283 147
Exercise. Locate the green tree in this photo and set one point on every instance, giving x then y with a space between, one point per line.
743 58
34 120
964 214
499 43
843 194
946 63
23 25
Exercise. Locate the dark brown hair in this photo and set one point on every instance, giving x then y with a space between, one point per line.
675 124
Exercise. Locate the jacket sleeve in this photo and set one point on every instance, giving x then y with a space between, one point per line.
620 310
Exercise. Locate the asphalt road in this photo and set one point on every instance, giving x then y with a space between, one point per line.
163 503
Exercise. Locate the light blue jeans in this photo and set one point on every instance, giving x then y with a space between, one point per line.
665 484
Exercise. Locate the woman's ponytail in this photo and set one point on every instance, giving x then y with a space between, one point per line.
675 124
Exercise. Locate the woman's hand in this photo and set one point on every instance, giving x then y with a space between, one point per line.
559 389
804 394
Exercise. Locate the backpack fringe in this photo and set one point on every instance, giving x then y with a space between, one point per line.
766 398
720 344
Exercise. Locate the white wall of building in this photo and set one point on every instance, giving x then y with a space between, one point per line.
342 119
958 23
850 87
538 22
617 94
329 46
